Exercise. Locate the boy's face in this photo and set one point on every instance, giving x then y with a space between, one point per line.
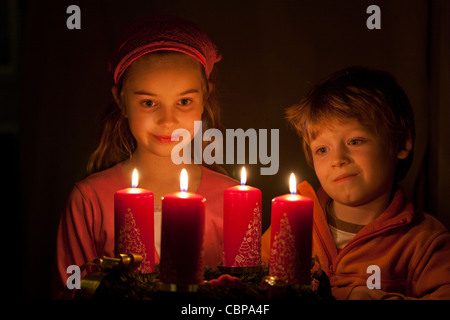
353 164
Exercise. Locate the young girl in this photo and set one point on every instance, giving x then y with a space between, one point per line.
163 81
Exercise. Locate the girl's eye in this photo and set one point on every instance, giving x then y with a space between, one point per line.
185 102
148 103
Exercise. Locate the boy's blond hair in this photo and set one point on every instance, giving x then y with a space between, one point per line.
372 97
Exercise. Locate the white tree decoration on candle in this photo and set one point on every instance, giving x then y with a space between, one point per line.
129 241
283 252
249 251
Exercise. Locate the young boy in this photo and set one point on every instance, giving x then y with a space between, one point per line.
357 130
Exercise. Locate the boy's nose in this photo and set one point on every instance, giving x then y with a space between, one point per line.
340 158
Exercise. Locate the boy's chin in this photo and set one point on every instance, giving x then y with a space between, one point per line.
349 199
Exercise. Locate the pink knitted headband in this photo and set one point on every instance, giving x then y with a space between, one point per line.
156 33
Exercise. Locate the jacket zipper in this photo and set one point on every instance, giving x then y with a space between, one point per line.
330 260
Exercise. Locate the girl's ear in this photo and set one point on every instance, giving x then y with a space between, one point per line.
210 87
402 154
118 100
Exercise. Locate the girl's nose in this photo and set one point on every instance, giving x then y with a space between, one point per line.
166 117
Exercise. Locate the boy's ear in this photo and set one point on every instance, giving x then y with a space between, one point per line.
402 154
118 100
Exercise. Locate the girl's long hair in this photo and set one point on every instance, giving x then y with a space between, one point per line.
118 144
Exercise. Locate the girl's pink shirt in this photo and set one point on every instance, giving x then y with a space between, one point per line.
86 229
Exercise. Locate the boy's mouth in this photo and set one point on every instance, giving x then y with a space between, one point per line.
345 177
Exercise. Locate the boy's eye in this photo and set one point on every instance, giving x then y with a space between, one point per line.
321 150
354 142
185 102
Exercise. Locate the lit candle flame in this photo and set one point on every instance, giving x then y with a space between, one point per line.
134 179
292 184
184 180
243 176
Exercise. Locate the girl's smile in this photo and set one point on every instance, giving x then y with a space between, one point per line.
164 138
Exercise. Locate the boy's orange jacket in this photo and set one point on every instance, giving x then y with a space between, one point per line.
412 250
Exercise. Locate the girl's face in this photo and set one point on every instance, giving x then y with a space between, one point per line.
353 164
162 93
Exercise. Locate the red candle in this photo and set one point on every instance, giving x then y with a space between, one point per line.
242 225
134 223
291 237
182 233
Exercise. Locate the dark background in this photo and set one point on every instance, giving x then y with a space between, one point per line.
54 87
